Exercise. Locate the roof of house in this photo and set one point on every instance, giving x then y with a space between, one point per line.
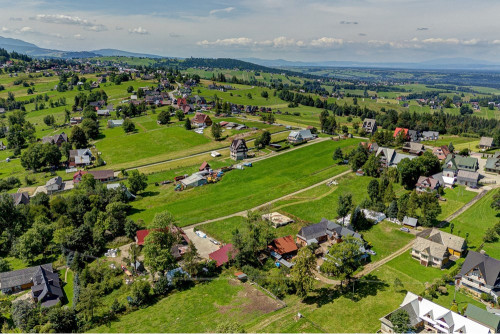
486 141
430 133
11 279
313 231
238 143
427 182
410 221
304 134
398 130
414 147
116 121
21 198
492 163
103 174
195 178
55 138
204 166
488 266
200 118
483 317
284 245
465 174
221 255
46 287
54 181
447 239
419 309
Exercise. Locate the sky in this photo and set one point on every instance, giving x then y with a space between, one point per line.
297 30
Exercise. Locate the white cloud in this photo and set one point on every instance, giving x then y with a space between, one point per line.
282 42
6 30
222 10
237 41
327 42
441 41
79 37
139 31
71 20
25 30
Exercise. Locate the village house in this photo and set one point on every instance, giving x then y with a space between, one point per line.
205 167
493 164
413 148
239 149
453 164
221 256
113 123
389 157
122 187
480 273
325 230
21 198
485 318
284 246
441 152
401 132
80 157
413 135
201 120
430 135
53 185
469 179
444 181
56 139
428 317
103 112
369 125
99 175
75 120
433 247
44 283
427 184
486 143
300 136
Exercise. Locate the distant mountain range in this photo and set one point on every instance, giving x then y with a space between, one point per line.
434 64
12 44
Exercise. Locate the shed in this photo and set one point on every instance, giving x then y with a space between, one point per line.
410 221
194 180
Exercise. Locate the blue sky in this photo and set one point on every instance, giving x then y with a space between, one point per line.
307 30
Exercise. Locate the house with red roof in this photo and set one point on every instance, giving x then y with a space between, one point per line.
177 250
181 102
284 246
398 130
221 256
204 166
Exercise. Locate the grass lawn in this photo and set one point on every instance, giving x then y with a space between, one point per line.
67 285
386 238
243 189
455 199
458 142
199 309
475 221
222 230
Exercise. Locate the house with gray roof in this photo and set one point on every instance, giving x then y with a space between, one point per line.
469 179
390 158
58 139
410 221
430 135
427 184
369 125
480 273
238 149
323 231
413 148
113 123
486 143
300 136
434 247
493 164
21 198
53 185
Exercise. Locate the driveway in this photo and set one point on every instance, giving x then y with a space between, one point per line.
490 179
203 245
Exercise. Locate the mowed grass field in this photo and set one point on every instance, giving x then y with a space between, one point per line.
244 189
475 221
455 199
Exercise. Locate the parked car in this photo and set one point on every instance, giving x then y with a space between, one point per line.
405 229
201 234
214 241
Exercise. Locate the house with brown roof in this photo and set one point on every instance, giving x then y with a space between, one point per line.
99 175
21 198
413 148
441 152
239 149
201 120
284 246
427 184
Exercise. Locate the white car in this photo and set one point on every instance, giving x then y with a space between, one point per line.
201 234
